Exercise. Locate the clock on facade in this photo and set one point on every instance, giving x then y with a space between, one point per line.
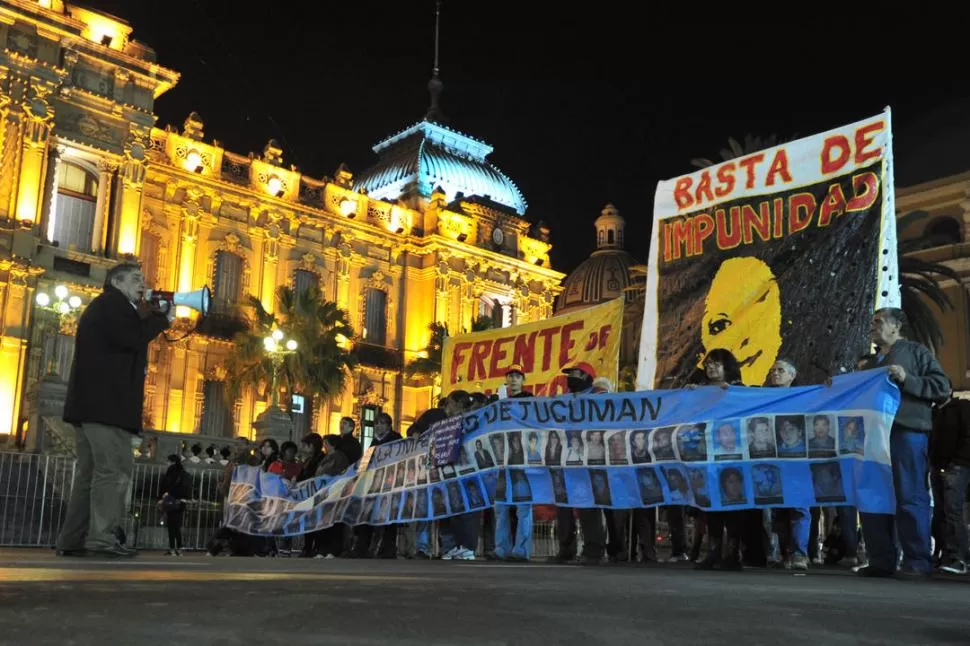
498 237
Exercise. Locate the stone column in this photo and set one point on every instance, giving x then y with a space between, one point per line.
106 171
269 280
343 278
441 313
38 116
132 172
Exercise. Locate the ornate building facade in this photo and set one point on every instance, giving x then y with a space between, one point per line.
944 237
432 233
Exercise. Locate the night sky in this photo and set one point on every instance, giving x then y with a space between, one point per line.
581 108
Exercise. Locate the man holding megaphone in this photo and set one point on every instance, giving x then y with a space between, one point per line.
105 394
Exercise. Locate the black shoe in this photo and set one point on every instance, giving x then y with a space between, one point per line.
953 567
387 556
711 561
75 553
113 552
872 572
591 560
909 574
421 556
559 559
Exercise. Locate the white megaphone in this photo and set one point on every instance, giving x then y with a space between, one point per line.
198 300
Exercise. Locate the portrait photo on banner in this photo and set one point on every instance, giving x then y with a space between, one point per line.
775 255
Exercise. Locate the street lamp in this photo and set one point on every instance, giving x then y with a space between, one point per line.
63 304
278 348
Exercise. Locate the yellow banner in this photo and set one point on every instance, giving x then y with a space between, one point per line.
590 337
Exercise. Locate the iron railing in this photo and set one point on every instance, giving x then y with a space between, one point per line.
35 490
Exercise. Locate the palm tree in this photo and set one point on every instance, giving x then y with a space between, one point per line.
919 282
428 364
321 365
735 149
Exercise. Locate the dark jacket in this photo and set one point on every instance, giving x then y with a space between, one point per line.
950 441
925 384
426 420
310 467
390 437
522 395
334 464
107 383
176 482
350 446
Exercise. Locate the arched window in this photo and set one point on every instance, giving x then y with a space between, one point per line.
375 317
227 281
943 231
71 219
148 255
491 309
610 237
303 280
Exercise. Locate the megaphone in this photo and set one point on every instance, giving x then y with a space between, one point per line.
198 300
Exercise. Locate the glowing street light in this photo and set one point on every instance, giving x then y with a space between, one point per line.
278 350
62 305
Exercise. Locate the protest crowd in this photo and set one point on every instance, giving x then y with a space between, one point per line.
930 442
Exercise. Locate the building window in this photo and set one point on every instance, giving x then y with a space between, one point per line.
148 255
72 214
301 411
492 310
216 419
375 317
368 417
610 237
304 280
228 281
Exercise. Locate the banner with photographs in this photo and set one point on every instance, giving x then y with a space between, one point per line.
590 337
711 448
784 252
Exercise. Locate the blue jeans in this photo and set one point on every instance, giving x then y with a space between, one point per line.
801 526
422 537
908 451
522 546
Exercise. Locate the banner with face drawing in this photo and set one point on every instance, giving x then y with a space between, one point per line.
785 252
710 448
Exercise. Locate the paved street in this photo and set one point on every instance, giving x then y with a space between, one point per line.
224 601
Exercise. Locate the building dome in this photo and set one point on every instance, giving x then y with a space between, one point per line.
428 155
605 274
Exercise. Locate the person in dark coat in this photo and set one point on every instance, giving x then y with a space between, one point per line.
921 382
349 444
383 434
173 493
105 394
950 460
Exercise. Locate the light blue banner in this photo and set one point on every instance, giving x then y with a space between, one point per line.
712 448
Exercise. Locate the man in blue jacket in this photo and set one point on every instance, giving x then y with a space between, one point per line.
921 382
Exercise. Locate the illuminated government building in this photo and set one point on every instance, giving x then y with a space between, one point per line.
433 232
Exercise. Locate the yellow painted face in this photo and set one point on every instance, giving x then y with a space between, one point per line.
742 314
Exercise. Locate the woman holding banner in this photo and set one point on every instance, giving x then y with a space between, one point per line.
722 369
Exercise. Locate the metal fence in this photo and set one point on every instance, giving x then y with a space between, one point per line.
35 490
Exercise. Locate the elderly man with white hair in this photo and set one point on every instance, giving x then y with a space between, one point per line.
782 375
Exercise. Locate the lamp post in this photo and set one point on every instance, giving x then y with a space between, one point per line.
278 348
62 305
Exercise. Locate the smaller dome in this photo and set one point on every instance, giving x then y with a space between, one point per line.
604 275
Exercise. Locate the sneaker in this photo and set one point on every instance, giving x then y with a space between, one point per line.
799 563
319 556
678 558
559 559
329 557
114 552
170 553
178 552
464 555
954 567
422 556
452 553
72 553
849 562
818 560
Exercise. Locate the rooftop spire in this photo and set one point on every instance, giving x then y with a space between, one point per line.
435 85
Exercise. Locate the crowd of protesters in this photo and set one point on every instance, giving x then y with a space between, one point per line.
930 444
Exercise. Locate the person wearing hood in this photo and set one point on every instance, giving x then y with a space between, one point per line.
173 493
579 381
105 397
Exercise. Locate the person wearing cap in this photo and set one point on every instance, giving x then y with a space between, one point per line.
579 381
521 548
